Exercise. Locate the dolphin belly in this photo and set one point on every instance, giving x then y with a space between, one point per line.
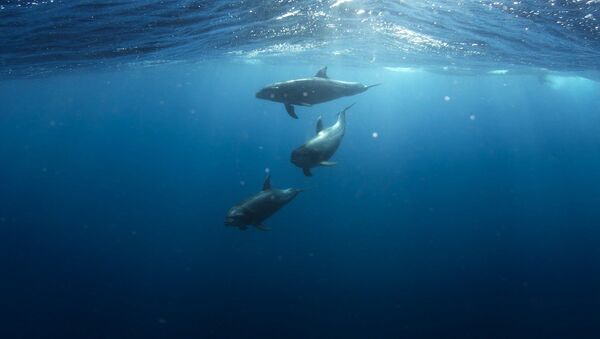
262 206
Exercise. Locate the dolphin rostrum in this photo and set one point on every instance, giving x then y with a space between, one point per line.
310 91
318 150
254 210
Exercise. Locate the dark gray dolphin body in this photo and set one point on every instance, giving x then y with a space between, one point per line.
318 150
309 91
254 210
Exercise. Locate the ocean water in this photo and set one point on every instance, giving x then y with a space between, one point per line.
465 202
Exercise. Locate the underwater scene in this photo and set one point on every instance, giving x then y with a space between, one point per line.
300 169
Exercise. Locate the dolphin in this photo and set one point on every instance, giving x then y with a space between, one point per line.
318 150
254 210
310 91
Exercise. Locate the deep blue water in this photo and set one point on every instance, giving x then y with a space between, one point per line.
474 213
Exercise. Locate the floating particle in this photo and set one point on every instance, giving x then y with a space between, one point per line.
242 183
375 135
446 98
260 148
267 170
472 117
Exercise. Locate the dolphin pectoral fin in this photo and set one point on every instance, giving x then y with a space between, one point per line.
319 125
262 227
322 73
290 109
367 87
306 172
328 163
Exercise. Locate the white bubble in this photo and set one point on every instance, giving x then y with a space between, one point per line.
267 170
472 117
446 98
375 135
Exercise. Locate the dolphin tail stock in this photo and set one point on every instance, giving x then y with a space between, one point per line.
347 108
342 114
299 190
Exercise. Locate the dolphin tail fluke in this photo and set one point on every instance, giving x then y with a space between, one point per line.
262 227
290 109
373 85
307 172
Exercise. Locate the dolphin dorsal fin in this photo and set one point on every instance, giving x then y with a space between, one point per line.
319 125
267 183
322 73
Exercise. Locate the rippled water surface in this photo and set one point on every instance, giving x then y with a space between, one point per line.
38 37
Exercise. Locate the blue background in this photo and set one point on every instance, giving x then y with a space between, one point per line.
473 217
